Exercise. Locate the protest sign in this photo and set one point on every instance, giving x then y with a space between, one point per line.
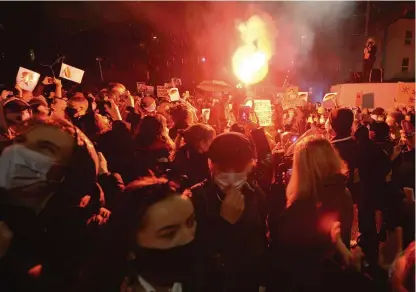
150 90
263 110
71 73
27 79
174 94
329 100
141 86
303 97
161 91
291 98
205 115
176 82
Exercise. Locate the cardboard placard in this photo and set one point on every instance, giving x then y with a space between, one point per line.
161 91
176 82
174 94
291 98
150 90
263 110
303 96
329 100
71 73
205 115
27 79
141 86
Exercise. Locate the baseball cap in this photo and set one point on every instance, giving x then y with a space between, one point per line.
231 150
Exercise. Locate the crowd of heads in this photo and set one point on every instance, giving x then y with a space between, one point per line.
110 191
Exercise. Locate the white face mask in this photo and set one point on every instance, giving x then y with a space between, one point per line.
230 179
151 108
21 167
377 118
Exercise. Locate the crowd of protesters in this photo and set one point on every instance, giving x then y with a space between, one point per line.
107 191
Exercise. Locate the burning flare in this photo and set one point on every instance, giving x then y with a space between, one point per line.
250 60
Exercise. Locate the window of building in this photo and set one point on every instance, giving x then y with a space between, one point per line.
408 37
405 65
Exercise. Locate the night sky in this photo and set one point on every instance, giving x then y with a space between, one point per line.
166 39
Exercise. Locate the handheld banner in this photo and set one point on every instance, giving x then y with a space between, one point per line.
263 110
27 79
205 115
141 86
71 73
174 94
161 91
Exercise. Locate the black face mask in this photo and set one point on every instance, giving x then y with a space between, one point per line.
70 112
165 266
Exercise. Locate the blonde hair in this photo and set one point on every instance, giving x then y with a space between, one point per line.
313 161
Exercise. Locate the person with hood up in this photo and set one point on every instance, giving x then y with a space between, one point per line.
231 215
13 112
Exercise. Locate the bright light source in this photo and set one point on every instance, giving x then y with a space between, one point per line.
203 59
154 37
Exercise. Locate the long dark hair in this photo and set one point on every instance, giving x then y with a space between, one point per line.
151 130
106 270
180 114
193 135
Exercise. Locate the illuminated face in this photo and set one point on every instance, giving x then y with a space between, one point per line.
167 224
48 140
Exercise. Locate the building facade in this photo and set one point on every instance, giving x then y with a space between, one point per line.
397 50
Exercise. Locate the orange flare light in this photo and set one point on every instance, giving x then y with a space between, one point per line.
250 60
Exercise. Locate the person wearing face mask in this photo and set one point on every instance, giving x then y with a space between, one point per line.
148 104
231 214
149 244
89 122
191 159
13 112
44 177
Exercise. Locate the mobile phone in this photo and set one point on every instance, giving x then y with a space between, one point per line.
244 114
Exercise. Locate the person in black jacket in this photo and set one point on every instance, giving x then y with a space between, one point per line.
231 215
373 167
48 193
181 117
316 197
341 122
191 159
148 245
